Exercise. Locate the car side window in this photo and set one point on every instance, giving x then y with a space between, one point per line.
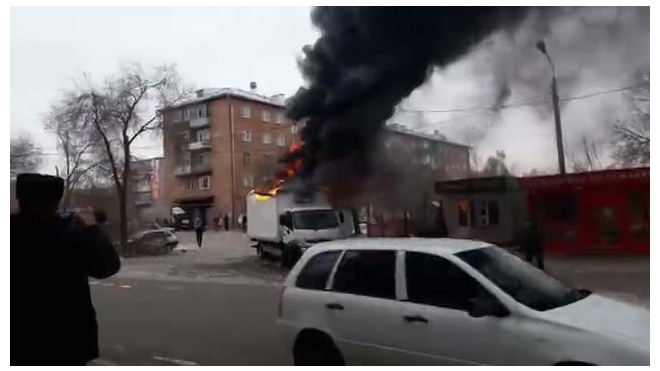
314 275
368 273
433 280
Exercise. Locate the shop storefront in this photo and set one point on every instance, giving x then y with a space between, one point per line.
599 212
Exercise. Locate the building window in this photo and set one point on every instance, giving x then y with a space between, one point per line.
425 144
188 184
561 209
200 113
426 160
144 197
280 140
203 135
205 182
246 111
294 129
280 118
246 158
266 138
247 136
488 213
248 181
639 215
186 114
432 163
265 115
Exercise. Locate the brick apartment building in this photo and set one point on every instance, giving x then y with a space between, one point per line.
410 205
444 159
217 145
147 190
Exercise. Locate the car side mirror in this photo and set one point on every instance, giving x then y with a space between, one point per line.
487 306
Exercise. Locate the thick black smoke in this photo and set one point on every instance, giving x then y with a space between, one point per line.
365 62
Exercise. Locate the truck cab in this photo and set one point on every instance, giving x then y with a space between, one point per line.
312 225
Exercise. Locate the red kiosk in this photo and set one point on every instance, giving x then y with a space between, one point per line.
603 211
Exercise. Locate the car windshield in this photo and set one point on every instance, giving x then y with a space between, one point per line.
315 219
520 280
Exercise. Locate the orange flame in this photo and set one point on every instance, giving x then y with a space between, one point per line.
290 171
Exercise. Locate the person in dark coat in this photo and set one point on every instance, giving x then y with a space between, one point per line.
53 321
225 221
199 230
531 242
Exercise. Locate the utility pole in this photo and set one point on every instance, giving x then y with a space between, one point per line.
540 45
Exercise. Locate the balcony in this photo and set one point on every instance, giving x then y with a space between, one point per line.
199 122
193 169
200 144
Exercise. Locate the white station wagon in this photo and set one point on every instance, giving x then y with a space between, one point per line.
385 301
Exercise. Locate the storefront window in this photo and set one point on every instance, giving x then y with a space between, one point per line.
559 209
607 221
638 207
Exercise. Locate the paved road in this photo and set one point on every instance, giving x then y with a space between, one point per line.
150 322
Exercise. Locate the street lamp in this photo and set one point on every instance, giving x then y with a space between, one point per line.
540 45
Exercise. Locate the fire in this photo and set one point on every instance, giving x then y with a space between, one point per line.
289 172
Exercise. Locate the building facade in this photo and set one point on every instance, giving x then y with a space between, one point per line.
148 190
218 146
595 212
406 204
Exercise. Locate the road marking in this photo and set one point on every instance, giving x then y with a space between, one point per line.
93 282
125 286
174 361
108 284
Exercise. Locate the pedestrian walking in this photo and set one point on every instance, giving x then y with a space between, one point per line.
531 243
53 321
199 230
225 221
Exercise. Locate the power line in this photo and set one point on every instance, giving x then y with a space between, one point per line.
524 102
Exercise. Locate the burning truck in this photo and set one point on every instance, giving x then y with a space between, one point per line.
289 215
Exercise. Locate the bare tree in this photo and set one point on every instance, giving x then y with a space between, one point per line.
24 155
587 157
496 165
113 117
632 137
69 129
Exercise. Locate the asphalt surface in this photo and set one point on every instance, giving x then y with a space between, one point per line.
217 305
149 322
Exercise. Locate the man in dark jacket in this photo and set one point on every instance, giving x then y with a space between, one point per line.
53 321
531 242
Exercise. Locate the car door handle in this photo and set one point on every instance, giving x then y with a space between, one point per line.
334 306
415 318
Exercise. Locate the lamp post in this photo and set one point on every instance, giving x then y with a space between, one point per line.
540 45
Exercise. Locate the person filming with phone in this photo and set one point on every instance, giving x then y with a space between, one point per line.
53 321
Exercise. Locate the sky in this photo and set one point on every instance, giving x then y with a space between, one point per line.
595 49
51 48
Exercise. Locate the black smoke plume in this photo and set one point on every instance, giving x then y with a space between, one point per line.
366 61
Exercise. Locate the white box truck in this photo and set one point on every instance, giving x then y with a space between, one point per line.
283 226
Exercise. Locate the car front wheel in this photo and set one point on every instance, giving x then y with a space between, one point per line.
316 349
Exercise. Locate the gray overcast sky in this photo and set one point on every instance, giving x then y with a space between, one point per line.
213 47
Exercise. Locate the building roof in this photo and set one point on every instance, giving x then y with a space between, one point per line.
441 246
207 94
436 137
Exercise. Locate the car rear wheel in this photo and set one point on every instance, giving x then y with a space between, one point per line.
314 348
